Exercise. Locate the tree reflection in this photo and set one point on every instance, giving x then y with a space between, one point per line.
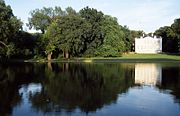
12 76
85 86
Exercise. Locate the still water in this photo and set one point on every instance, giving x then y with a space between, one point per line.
94 89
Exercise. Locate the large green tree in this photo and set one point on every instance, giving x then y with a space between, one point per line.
73 33
48 21
67 35
9 27
95 35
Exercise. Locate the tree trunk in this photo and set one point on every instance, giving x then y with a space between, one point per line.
49 56
66 54
49 61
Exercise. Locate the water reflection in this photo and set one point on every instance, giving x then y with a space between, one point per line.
65 88
148 74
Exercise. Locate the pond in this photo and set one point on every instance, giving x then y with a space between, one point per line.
94 89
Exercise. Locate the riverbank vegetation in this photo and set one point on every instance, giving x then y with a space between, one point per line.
68 34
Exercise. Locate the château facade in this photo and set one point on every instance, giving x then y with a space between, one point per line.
148 45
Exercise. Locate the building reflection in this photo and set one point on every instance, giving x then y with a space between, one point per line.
148 74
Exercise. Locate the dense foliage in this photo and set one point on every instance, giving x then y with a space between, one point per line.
85 33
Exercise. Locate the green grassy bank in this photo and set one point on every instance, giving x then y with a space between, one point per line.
151 56
124 58
136 58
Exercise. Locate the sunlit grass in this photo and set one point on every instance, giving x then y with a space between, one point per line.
154 57
88 61
151 56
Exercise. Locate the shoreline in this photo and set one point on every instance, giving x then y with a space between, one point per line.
125 58
87 60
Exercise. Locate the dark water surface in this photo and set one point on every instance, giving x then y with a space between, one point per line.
94 89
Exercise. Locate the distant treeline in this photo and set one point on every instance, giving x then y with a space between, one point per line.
68 33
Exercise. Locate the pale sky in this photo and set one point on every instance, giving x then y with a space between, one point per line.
146 15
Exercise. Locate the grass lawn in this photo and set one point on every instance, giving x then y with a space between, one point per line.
133 58
151 56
